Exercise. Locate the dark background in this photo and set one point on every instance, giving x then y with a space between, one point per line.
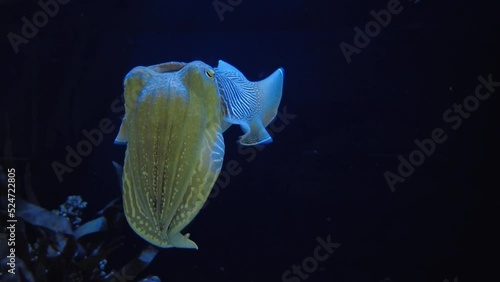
323 174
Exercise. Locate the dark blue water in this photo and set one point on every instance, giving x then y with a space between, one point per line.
348 119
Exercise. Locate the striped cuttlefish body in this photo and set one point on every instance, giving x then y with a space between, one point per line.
175 114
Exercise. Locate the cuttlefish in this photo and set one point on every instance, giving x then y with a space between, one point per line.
175 114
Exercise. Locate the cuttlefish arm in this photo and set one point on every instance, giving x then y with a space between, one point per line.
252 105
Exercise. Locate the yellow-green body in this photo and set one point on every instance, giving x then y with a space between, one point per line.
175 148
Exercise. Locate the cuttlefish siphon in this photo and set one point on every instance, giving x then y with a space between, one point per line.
175 114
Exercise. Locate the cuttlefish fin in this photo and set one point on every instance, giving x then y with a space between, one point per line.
271 89
132 84
252 105
255 133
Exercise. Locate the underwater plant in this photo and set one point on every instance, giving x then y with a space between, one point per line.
57 246
72 209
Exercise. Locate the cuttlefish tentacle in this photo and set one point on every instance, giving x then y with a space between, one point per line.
252 105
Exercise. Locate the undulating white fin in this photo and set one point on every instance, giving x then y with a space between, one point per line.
270 90
252 105
256 135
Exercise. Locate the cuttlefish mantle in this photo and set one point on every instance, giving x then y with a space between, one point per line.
252 105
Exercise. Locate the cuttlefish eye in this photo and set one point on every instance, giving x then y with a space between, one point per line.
210 73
